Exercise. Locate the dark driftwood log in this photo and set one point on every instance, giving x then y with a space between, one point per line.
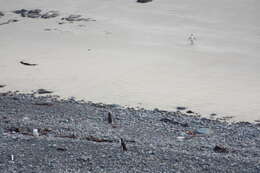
28 64
143 1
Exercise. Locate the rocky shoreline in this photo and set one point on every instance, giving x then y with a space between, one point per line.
77 136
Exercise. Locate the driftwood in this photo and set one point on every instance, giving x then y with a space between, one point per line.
28 64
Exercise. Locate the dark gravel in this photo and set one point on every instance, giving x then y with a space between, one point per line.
76 137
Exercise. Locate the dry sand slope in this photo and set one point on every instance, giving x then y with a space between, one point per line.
138 54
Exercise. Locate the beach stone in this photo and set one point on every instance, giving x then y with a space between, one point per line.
143 1
29 13
43 91
180 108
1 14
50 14
22 11
203 131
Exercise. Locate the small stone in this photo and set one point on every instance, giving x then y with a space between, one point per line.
189 112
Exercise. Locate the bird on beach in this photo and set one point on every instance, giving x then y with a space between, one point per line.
123 145
192 38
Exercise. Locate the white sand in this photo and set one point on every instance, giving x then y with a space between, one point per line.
140 55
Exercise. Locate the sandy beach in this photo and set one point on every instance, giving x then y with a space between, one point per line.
138 54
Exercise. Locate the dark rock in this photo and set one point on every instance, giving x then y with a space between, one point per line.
22 11
61 149
143 1
220 149
43 91
34 13
2 86
180 108
189 112
1 14
29 13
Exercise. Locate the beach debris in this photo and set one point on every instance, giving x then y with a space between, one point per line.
28 64
123 145
203 131
76 18
44 91
2 86
181 108
227 117
109 118
50 14
190 133
35 133
143 1
95 139
9 21
44 104
192 39
166 120
220 149
12 157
